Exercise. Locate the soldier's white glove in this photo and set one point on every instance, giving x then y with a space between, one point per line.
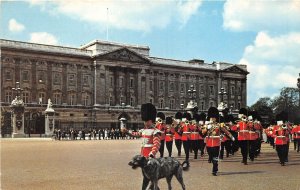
208 126
232 138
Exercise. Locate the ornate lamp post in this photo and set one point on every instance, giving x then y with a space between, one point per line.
298 84
17 106
49 119
222 105
122 119
192 105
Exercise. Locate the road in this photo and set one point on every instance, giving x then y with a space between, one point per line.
34 164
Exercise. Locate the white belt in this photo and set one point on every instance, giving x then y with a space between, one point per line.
186 132
169 134
213 136
147 145
281 136
252 132
194 132
244 131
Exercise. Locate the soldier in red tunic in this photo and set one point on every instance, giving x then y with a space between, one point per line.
149 134
169 134
296 137
281 141
178 132
160 125
194 126
186 134
243 134
214 132
202 118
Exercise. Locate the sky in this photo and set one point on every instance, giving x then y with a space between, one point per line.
262 34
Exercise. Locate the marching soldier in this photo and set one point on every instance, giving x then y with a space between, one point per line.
253 136
214 132
202 118
195 135
149 134
226 141
178 132
186 135
169 134
281 141
243 134
296 137
161 126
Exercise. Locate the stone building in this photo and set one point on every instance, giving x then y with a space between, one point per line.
98 83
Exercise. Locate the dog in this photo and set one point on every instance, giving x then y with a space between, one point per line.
154 169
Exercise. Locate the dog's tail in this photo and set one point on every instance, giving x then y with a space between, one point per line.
185 165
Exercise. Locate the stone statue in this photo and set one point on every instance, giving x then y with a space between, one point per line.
49 106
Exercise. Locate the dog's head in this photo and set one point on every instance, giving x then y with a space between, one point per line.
137 161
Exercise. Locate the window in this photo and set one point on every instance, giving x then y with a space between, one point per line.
56 78
41 97
211 104
182 88
8 96
121 99
131 101
86 80
131 83
71 79
121 82
151 100
161 103
72 99
85 100
172 103
151 85
232 91
211 90
56 98
8 75
172 86
239 90
161 85
239 105
25 97
110 100
111 82
25 75
201 89
202 105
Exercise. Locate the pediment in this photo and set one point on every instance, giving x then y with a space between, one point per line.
235 69
124 54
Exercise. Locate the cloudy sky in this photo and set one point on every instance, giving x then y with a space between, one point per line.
263 34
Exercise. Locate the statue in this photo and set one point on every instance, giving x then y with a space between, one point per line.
49 106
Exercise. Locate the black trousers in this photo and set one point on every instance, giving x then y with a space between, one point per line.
178 144
186 147
297 144
244 145
195 147
201 146
227 146
252 149
162 148
169 145
213 153
282 152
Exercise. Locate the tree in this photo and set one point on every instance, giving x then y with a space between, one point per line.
264 109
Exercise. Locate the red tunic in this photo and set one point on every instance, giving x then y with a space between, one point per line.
150 141
243 132
194 132
281 136
169 133
296 132
162 128
185 132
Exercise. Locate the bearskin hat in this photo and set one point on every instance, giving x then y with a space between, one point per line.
187 116
229 118
161 115
169 120
243 111
202 116
282 116
225 111
196 117
220 119
213 112
148 112
178 115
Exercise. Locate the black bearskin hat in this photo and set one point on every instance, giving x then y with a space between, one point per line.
213 112
169 120
187 116
148 112
161 115
178 115
197 117
202 116
243 111
221 119
282 116
229 118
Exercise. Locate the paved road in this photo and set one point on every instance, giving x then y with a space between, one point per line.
34 164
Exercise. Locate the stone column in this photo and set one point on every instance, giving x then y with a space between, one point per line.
49 120
18 121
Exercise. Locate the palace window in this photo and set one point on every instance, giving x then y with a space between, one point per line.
26 97
161 85
201 89
8 75
131 101
182 88
211 90
25 76
172 101
211 104
110 100
86 80
56 78
171 86
111 82
57 98
72 79
161 103
72 99
202 105
8 96
131 83
41 97
151 85
85 100
121 81
232 91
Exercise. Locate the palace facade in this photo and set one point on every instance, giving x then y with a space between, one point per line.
98 83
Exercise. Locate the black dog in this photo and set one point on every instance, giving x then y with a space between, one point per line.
156 168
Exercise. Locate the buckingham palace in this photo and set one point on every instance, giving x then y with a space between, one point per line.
100 82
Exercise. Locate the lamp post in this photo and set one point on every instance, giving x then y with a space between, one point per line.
17 106
298 84
222 93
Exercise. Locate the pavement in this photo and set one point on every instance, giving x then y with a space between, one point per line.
43 163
